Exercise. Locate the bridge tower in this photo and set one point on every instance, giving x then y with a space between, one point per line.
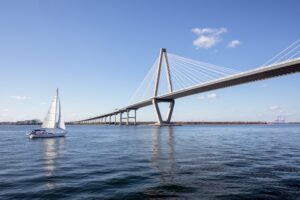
155 100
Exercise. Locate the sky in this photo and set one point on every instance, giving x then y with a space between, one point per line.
98 52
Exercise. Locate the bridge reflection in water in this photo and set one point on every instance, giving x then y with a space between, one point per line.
163 159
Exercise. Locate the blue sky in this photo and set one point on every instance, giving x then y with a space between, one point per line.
98 52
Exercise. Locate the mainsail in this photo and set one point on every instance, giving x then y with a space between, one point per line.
50 120
54 114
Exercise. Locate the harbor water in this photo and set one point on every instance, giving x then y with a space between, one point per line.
146 162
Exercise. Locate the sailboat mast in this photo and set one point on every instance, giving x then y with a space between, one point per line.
55 119
59 113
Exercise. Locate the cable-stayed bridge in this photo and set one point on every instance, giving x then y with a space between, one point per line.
184 77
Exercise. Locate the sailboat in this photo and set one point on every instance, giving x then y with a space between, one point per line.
53 125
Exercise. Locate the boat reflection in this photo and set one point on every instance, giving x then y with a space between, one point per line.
163 153
53 148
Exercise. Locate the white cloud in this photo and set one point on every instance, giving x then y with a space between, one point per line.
201 97
5 110
209 96
207 37
275 108
233 43
21 98
212 96
43 103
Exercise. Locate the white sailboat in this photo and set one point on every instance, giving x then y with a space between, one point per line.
53 125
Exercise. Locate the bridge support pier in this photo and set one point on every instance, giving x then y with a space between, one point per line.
134 116
128 116
160 121
120 124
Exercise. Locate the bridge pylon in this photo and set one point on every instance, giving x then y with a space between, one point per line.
155 101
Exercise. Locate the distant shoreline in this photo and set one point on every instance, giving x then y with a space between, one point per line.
173 123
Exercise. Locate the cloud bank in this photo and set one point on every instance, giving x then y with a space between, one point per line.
21 98
207 37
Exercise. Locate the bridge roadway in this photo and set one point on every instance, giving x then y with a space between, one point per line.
279 69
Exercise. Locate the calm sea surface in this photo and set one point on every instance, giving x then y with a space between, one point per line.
144 162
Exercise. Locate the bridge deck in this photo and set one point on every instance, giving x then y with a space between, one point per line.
274 70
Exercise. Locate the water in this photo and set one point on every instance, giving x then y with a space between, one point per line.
143 162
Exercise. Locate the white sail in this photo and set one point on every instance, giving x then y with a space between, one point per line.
60 122
50 120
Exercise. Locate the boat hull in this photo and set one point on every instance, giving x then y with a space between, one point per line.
47 134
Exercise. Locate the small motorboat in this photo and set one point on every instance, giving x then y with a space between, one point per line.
53 125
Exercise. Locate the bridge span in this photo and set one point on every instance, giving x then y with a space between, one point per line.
289 66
